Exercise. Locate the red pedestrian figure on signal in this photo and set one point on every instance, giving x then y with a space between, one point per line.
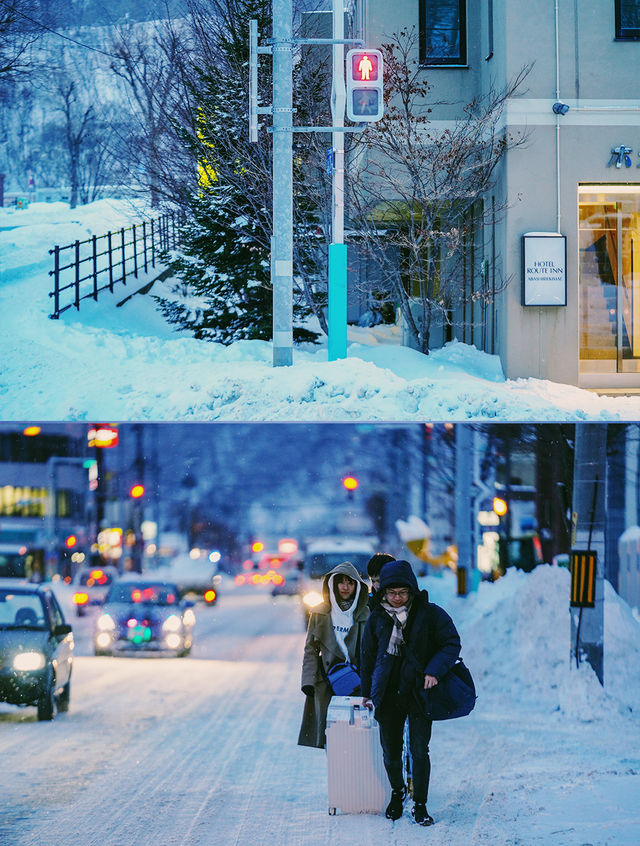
365 67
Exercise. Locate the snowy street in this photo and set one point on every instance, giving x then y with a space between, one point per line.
202 750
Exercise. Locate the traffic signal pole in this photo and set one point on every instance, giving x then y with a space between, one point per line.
282 196
281 110
337 278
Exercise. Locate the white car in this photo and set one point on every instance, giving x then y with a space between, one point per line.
323 554
91 586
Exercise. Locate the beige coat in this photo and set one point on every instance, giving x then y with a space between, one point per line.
321 652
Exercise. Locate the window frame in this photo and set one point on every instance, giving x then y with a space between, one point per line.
624 34
459 61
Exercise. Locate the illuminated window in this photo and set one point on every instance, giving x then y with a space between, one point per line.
23 501
609 278
443 32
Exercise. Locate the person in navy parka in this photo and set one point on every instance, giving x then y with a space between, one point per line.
408 643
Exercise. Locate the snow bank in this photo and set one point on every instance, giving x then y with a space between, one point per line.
516 641
119 360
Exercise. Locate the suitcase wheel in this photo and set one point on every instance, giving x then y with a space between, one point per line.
332 812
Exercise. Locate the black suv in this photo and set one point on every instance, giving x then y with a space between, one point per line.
36 648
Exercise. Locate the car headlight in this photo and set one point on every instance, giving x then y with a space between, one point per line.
105 623
28 661
189 617
172 624
312 599
173 640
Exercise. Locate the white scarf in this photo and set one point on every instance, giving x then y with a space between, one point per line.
399 617
342 621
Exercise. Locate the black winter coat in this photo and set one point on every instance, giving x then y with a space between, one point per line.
432 646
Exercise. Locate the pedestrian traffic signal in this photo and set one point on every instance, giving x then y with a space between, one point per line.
364 85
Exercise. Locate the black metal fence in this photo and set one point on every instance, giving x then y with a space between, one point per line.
85 268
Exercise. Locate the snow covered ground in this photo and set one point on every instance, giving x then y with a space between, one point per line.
202 750
125 363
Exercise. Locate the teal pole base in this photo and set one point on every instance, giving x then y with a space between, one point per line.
337 301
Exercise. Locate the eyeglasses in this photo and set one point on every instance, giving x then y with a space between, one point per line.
401 593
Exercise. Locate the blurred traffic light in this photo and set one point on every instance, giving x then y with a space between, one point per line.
31 431
257 546
500 506
136 491
350 483
103 436
71 541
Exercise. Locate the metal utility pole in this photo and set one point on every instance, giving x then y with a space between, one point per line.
136 505
281 110
588 545
53 462
282 239
464 506
337 281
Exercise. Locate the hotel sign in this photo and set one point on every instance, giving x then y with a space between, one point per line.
544 269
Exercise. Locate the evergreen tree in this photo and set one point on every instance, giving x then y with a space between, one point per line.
225 292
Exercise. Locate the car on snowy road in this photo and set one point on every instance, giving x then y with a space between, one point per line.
144 616
91 587
287 581
36 649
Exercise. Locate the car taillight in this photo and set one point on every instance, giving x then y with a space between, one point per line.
80 598
210 595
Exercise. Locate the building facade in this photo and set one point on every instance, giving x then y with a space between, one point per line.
45 501
564 255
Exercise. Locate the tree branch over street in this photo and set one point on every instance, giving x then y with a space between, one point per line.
418 190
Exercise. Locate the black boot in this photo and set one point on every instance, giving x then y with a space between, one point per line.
394 808
421 815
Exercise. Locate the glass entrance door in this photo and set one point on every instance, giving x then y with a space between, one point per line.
609 278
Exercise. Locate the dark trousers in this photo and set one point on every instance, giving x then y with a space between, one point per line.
391 718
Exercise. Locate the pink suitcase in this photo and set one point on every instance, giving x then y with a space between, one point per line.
358 782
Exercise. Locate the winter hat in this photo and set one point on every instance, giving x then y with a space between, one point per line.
398 574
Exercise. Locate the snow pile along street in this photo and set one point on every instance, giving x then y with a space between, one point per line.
124 362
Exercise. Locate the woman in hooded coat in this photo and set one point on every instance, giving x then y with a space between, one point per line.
334 634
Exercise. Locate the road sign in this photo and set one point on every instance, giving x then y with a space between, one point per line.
583 578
